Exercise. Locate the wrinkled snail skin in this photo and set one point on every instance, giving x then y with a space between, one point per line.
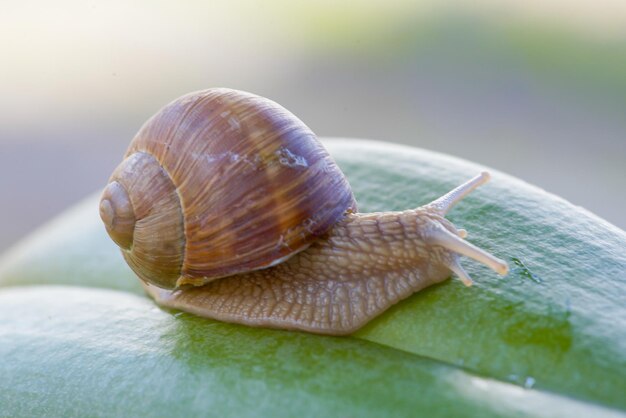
227 206
367 263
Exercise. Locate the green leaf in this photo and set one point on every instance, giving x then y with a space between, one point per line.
71 351
556 324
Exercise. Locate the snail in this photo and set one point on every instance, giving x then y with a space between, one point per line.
227 206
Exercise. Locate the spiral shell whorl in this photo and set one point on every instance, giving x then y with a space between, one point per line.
118 215
152 239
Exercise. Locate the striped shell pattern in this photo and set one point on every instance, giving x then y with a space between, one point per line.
221 182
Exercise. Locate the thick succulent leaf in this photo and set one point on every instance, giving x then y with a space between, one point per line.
76 352
557 322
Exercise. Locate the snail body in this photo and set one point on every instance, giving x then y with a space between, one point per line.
227 206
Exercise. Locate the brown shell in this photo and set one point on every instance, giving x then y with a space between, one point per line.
253 183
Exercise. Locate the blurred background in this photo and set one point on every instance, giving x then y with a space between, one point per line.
536 89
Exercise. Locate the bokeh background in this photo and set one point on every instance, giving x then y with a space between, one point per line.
533 88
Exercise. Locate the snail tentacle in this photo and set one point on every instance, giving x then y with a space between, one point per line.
446 202
444 238
458 269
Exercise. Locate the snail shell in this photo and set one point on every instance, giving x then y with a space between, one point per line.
217 183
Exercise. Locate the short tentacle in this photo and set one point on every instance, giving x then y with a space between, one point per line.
457 269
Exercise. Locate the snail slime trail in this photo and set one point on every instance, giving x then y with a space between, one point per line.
271 238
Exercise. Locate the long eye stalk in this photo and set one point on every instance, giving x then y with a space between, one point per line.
446 202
